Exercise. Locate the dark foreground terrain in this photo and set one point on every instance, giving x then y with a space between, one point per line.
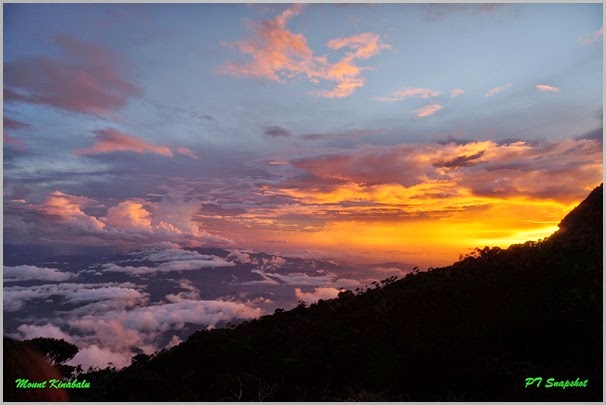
473 331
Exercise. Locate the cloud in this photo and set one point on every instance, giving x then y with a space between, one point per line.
428 110
278 54
497 90
364 45
47 330
69 209
117 294
239 257
195 264
405 93
140 327
409 176
186 152
170 255
276 132
110 140
11 140
190 293
27 272
94 356
129 215
456 93
14 124
389 271
547 88
170 260
9 124
111 322
108 293
129 224
322 293
322 279
130 270
592 38
87 79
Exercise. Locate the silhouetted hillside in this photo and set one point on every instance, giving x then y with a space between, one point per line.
472 331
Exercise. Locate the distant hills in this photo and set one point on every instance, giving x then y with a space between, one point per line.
472 331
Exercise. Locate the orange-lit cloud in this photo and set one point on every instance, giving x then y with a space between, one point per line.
364 45
345 88
129 223
592 38
109 140
405 93
129 215
70 209
497 90
428 110
547 88
278 54
431 199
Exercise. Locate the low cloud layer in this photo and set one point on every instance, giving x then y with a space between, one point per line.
322 293
28 273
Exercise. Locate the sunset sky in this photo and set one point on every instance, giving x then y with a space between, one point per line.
170 168
367 132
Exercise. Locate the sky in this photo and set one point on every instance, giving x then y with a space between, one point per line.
213 162
413 131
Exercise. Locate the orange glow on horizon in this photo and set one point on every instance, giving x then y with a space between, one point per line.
433 239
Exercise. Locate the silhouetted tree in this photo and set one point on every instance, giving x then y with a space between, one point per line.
57 351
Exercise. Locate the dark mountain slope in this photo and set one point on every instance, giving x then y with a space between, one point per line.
471 331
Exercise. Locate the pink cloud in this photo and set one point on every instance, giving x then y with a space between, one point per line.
547 88
278 54
428 110
591 38
109 140
95 356
88 79
186 152
11 140
128 223
13 124
9 124
48 330
496 90
456 93
405 93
